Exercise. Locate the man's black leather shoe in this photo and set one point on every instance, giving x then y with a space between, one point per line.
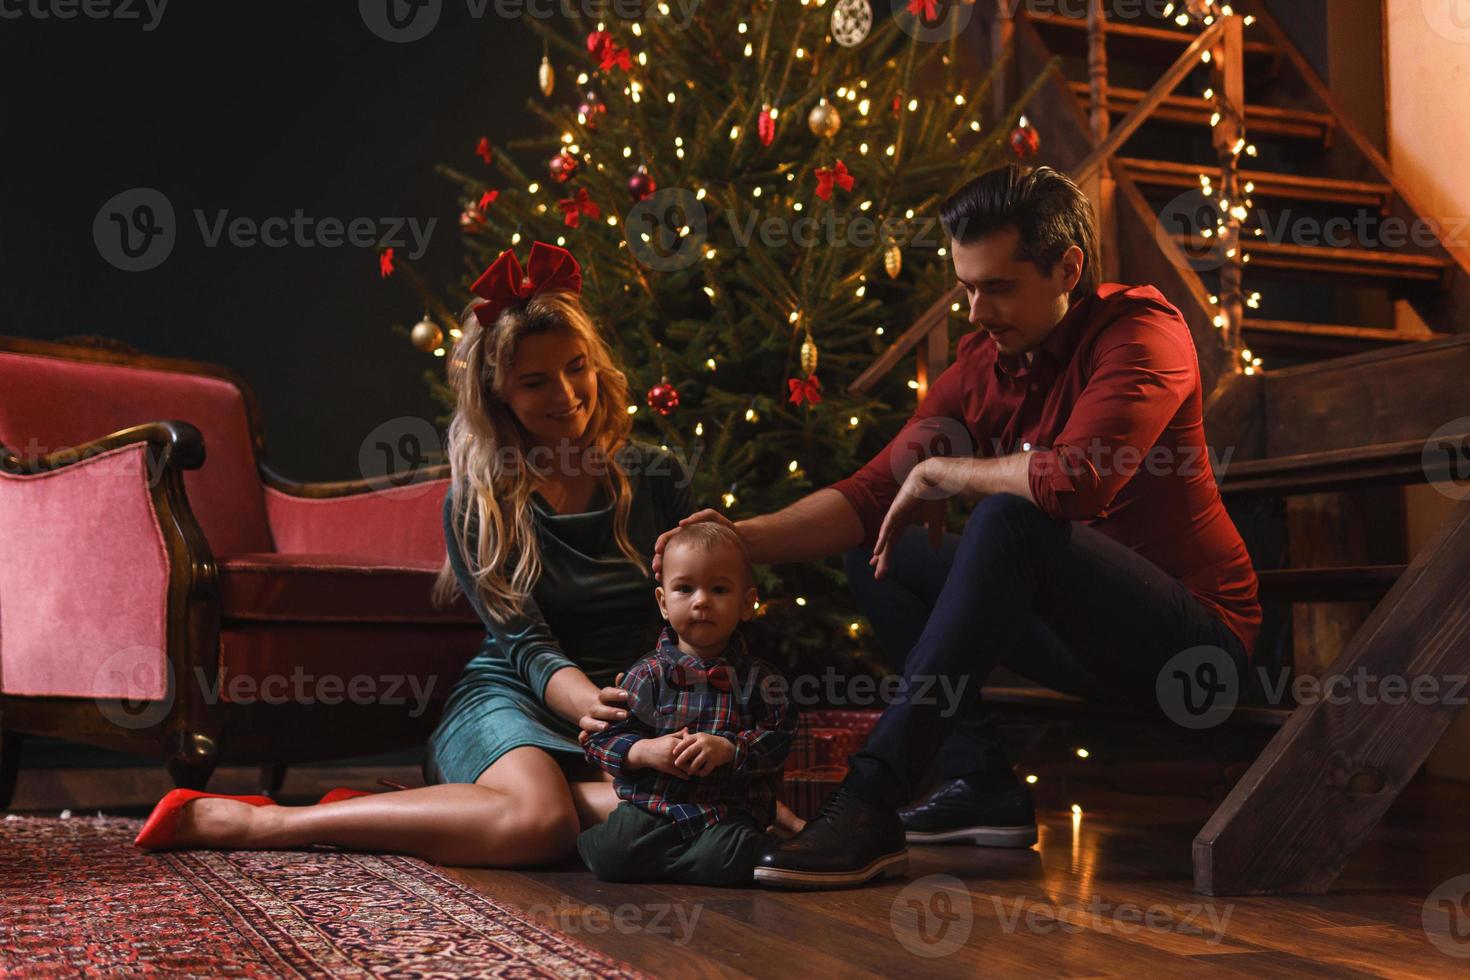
848 842
956 813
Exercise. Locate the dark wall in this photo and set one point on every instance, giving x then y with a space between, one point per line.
260 108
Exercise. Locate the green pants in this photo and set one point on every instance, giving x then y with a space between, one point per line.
635 845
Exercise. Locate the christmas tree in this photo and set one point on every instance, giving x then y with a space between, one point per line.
752 191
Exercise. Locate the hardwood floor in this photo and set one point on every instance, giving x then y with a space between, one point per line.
1106 893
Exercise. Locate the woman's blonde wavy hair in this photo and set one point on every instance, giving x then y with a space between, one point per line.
489 474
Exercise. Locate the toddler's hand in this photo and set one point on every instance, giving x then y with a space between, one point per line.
658 753
702 753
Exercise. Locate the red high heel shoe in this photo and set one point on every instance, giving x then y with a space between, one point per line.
158 830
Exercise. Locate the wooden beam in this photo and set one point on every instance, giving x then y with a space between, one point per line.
1323 783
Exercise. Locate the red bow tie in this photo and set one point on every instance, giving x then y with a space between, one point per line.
572 208
827 176
550 268
719 677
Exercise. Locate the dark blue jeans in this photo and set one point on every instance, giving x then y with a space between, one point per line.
1059 603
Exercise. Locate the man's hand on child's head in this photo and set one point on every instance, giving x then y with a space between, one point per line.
702 753
708 514
658 753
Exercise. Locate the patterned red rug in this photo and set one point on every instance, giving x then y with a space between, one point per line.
80 900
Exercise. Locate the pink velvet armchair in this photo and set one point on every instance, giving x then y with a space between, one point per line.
163 592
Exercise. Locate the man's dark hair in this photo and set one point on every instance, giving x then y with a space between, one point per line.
1049 211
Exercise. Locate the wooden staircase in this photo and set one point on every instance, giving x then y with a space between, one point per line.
1313 380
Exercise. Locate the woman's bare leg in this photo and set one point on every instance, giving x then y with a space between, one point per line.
594 800
519 812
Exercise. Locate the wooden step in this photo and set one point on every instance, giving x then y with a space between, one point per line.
1349 583
1329 331
1407 461
1165 173
1187 110
1337 262
1127 40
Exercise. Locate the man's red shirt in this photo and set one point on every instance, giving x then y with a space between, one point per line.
1111 404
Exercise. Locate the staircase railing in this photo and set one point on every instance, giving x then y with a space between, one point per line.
1222 45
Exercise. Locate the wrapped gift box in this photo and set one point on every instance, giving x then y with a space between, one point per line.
824 740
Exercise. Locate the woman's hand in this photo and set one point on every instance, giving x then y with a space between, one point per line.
708 514
922 499
610 706
659 753
703 752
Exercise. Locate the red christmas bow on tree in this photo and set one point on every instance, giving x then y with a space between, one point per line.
385 263
483 151
928 9
572 208
488 198
550 268
827 176
809 390
719 677
608 53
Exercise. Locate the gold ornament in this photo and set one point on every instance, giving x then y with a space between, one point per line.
426 335
546 76
808 356
824 119
893 261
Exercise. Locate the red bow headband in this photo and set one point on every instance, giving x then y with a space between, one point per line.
549 268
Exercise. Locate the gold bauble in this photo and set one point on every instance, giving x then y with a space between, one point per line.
824 119
426 335
893 261
808 356
546 76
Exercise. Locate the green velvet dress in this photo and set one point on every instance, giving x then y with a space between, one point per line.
591 609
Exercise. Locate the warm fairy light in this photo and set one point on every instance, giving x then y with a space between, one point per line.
533 188
1082 753
671 96
865 205
959 100
954 307
742 27
1209 94
861 290
863 148
791 466
709 291
854 628
699 428
975 125
1182 20
909 213
913 104
729 499
801 52
627 151
793 317
1207 232
942 252
750 415
890 149
710 363
913 383
801 600
561 240
1031 778
796 206
582 78
748 49
438 351
1250 19
1246 355
879 331
756 192
573 148
456 333
1215 119
515 239
1220 321
643 57
709 253
699 194
852 422
612 219
1076 810
566 137
637 29
863 107
632 409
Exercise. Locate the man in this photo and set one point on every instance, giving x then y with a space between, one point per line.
1099 548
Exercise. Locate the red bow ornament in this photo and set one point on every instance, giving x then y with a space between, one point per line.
719 677
601 44
385 263
483 151
808 390
927 9
572 208
549 269
828 176
488 198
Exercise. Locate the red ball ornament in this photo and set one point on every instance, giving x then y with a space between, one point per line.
641 184
663 397
590 108
1025 141
563 167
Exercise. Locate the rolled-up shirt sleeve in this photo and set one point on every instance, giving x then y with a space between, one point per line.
1142 373
937 428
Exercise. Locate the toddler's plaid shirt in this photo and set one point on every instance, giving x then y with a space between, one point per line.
734 696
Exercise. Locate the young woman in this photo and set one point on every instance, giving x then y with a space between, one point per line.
550 526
